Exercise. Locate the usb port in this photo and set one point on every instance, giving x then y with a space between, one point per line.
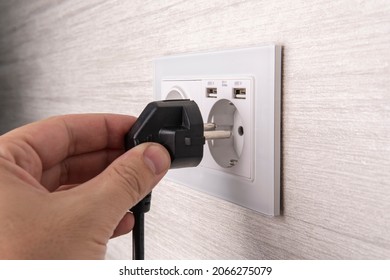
239 93
211 92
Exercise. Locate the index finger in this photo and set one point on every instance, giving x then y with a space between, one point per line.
52 140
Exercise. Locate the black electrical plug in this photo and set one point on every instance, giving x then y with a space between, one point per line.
175 124
178 126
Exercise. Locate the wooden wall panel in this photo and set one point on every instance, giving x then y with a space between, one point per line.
60 57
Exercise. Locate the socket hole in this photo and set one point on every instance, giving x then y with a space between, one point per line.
240 130
211 92
239 93
226 152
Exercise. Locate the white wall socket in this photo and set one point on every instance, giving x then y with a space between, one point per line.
237 90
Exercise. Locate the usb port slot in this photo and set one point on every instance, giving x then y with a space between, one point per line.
211 92
239 93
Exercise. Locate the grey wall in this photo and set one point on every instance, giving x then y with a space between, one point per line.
59 57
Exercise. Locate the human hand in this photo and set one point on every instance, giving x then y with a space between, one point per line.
65 185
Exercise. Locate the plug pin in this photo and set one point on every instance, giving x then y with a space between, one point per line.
210 133
209 126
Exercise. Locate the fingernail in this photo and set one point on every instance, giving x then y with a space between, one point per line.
157 159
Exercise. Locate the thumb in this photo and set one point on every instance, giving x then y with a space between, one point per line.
129 178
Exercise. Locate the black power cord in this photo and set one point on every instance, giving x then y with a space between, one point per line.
139 211
178 126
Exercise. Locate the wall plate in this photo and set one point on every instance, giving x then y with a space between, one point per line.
249 79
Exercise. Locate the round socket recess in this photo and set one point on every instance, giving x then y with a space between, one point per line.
176 93
226 152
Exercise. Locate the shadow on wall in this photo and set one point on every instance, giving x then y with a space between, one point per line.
14 75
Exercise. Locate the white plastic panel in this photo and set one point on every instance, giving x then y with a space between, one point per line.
197 90
250 80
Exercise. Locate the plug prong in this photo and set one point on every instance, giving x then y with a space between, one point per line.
209 126
210 132
217 134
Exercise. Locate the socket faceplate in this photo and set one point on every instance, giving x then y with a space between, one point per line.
250 80
218 104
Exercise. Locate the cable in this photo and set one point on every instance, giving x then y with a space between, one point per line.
139 211
138 237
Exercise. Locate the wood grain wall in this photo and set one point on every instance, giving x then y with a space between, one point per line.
65 56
